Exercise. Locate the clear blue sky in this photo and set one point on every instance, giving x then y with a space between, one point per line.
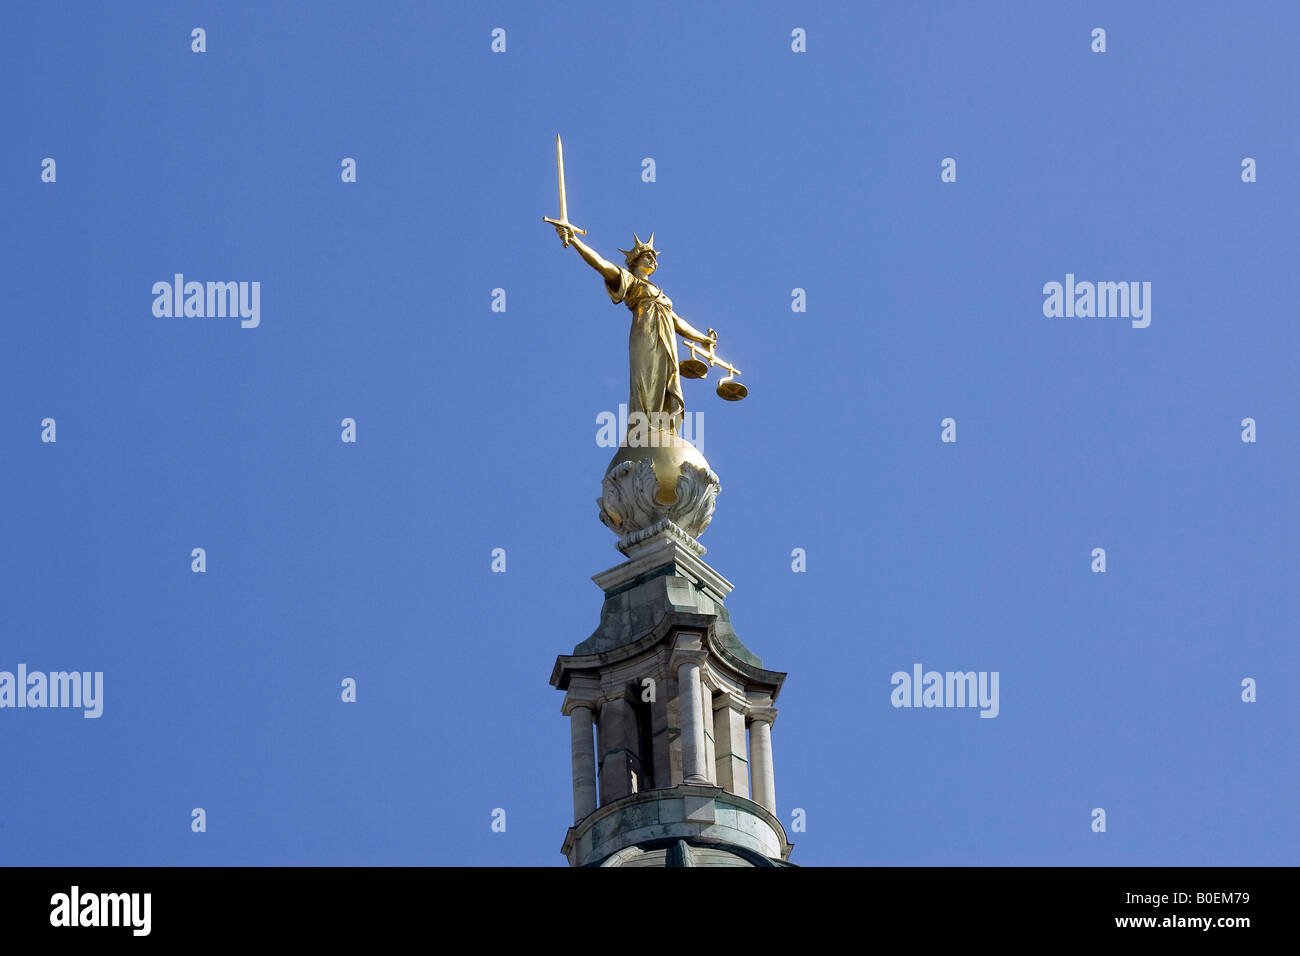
476 429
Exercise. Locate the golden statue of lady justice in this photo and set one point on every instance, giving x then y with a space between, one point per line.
654 372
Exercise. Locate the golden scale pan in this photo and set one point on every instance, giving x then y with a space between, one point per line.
728 389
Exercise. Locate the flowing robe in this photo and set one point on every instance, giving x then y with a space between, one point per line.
654 381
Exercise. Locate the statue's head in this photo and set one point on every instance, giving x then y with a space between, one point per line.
643 258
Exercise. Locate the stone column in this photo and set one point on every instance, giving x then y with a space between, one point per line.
663 729
710 751
687 661
614 727
584 758
760 750
729 741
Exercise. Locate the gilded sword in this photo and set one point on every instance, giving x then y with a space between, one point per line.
564 204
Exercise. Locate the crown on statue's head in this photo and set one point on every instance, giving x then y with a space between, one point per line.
633 254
